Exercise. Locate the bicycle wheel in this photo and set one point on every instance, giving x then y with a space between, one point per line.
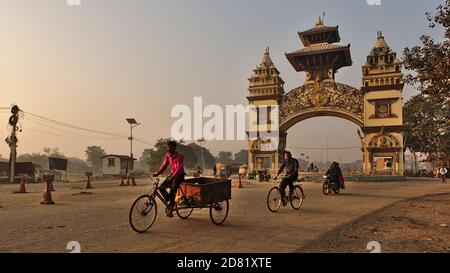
219 212
326 188
274 199
297 198
143 213
183 212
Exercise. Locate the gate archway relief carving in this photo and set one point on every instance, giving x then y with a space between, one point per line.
322 99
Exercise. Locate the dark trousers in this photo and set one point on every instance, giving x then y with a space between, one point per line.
443 178
287 182
173 184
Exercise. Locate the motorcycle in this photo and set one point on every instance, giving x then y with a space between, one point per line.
329 186
263 176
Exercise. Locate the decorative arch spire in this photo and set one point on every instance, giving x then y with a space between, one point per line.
319 22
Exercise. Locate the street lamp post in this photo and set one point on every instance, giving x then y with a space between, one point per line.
133 123
202 141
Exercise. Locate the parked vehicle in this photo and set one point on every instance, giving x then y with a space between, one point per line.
252 175
264 176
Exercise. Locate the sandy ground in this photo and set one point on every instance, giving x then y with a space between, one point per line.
99 221
418 225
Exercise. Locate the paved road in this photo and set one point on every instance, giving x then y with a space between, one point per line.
99 221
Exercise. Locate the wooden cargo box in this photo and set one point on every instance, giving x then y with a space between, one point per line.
205 191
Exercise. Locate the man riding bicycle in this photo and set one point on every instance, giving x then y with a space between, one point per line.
291 165
176 162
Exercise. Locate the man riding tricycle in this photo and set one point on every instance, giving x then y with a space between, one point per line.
184 196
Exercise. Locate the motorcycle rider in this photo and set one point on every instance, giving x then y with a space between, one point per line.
334 173
291 165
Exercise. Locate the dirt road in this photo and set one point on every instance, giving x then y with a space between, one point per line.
99 221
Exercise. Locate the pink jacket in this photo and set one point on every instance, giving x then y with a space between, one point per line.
176 162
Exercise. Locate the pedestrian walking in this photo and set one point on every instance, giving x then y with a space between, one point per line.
443 171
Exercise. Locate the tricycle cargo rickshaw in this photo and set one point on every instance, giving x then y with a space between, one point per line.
195 193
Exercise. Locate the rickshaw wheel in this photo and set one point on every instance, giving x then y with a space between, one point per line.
218 212
143 213
183 213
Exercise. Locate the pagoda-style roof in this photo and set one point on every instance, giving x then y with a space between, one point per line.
322 55
320 34
318 48
334 51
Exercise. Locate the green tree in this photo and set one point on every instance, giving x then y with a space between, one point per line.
427 115
53 152
94 156
430 62
427 127
209 159
77 165
154 157
225 157
36 158
190 159
241 157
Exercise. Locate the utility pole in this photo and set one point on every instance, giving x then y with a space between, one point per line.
12 141
133 123
202 142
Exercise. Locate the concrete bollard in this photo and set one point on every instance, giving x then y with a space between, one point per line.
133 180
88 184
48 190
22 185
122 180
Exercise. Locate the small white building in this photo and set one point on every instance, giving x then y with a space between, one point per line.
116 164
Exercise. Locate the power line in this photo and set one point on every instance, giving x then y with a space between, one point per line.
47 121
142 141
59 123
36 121
51 134
335 148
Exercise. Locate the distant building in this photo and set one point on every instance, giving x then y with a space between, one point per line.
116 164
32 171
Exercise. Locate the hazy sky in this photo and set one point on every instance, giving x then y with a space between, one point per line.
96 64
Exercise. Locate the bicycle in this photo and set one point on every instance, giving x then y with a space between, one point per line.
295 198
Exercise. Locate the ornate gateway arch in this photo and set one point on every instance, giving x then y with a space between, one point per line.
376 107
321 99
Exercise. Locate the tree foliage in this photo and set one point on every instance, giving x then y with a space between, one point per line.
241 157
430 62
426 126
427 115
74 164
153 157
225 157
209 159
94 156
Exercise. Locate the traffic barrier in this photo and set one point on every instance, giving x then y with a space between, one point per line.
88 184
48 200
133 180
122 180
22 185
